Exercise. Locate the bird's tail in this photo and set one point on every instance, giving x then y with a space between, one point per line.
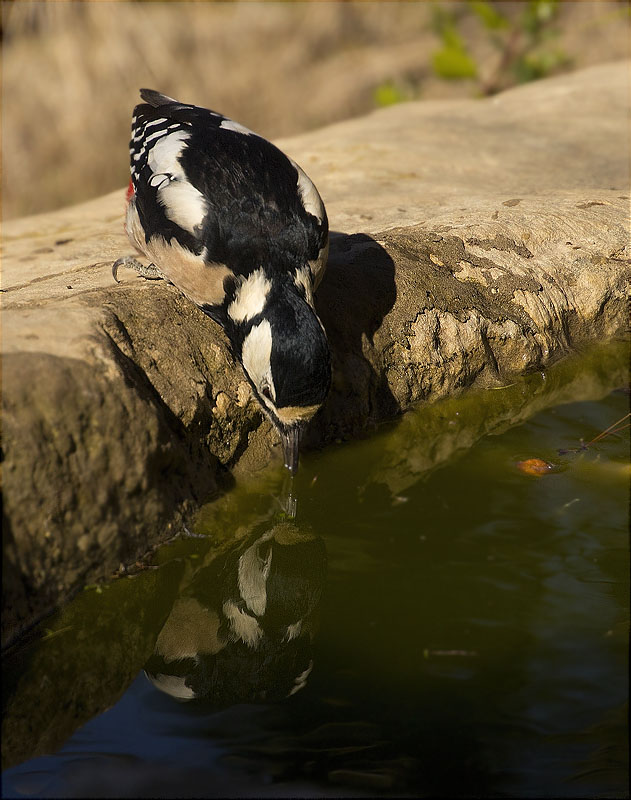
156 99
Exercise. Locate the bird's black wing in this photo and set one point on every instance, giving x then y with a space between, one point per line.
219 190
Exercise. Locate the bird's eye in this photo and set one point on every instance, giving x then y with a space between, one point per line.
265 391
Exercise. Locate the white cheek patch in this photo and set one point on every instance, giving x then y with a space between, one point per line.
253 572
250 297
183 203
256 354
311 200
230 125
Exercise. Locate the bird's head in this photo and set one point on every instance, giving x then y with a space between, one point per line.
286 358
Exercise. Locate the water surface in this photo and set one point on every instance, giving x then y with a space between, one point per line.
467 628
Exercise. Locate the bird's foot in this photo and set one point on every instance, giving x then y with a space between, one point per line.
149 271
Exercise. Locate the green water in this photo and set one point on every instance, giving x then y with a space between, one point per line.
469 632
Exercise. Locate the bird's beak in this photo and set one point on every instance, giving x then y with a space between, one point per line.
291 443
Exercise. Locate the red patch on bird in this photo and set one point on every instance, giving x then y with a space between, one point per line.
130 191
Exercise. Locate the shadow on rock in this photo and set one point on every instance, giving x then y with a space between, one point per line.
357 292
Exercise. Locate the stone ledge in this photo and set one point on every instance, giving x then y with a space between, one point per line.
481 239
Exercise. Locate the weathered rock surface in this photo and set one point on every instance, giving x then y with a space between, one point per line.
475 240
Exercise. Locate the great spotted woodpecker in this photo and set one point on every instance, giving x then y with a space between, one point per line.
241 230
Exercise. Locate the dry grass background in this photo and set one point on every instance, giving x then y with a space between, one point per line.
71 73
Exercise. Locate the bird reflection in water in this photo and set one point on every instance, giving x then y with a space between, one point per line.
244 630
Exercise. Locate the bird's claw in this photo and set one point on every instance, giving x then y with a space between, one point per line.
149 272
115 267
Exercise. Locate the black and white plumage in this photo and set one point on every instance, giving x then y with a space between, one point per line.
243 629
241 230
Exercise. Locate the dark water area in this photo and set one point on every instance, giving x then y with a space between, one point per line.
435 622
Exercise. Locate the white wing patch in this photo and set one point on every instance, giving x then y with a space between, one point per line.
253 572
311 200
250 297
163 156
183 203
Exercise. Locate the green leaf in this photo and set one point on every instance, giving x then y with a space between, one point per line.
387 94
490 17
451 37
454 63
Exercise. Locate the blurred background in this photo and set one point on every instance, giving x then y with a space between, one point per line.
72 70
